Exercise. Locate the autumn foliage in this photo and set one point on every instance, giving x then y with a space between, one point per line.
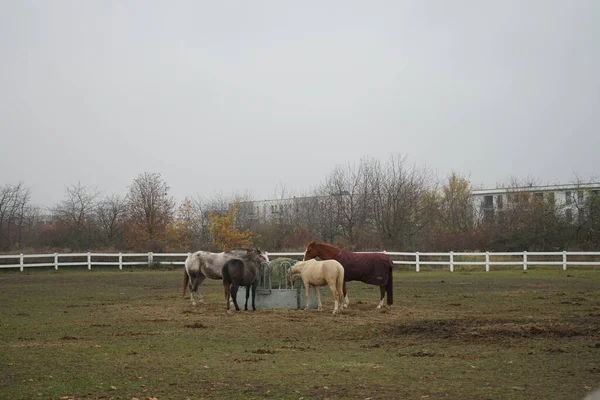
225 235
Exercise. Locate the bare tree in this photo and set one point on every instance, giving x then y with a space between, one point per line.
347 188
110 214
14 200
397 201
76 214
150 209
456 209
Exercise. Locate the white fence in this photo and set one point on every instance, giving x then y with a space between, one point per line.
487 260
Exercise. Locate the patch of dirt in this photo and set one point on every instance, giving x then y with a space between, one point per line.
134 334
293 347
474 329
195 325
371 346
243 360
263 351
69 338
23 314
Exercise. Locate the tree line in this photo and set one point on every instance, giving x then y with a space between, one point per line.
367 205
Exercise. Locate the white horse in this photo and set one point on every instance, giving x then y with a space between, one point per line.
204 264
320 273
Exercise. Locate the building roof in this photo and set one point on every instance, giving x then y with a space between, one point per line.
546 188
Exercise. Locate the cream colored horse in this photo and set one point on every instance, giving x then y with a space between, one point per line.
320 273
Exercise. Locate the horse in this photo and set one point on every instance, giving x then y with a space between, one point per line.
203 264
320 273
371 268
238 273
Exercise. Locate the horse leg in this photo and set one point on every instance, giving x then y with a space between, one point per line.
234 290
193 277
381 296
346 299
336 297
247 295
194 283
318 296
254 285
227 292
307 287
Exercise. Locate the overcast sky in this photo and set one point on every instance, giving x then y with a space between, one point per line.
235 96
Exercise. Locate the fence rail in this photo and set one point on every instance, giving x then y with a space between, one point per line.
416 259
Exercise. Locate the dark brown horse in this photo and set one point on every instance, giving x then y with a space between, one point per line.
371 268
238 273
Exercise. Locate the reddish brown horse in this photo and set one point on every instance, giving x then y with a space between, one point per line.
371 268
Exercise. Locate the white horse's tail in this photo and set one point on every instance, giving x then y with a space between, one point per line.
189 261
339 284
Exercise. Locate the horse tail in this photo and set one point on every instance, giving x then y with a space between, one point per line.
226 274
339 284
389 288
186 271
186 280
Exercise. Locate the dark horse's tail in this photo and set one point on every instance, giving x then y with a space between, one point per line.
389 288
226 276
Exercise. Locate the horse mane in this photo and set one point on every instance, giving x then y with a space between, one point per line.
328 245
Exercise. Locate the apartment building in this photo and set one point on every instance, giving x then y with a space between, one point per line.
568 199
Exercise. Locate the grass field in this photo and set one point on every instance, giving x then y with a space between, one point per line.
107 334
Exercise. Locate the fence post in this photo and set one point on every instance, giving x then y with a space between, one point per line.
564 260
56 261
451 261
120 260
417 266
487 261
21 261
89 260
150 258
524 261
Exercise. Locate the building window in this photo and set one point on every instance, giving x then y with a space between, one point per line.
539 195
568 198
569 215
488 214
580 196
488 202
499 202
550 197
580 215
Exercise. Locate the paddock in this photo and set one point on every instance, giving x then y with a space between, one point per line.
108 334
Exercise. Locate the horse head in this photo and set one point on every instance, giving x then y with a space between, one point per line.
257 255
263 255
311 251
290 274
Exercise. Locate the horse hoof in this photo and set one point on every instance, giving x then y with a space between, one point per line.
319 309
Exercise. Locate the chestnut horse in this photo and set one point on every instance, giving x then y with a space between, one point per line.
371 268
320 273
